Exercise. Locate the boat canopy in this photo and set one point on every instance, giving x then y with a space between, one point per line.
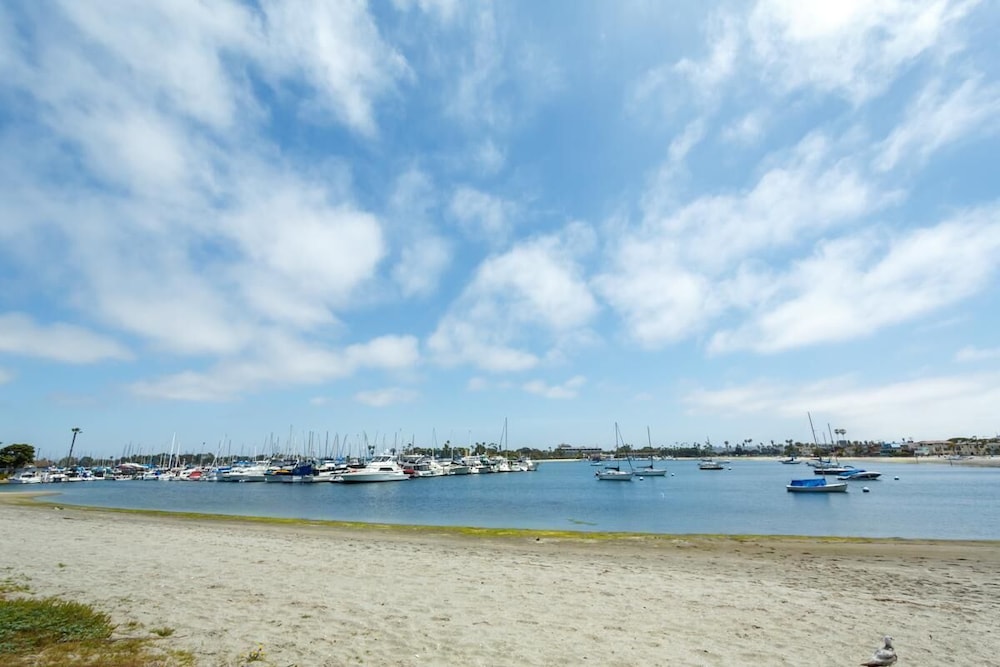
813 481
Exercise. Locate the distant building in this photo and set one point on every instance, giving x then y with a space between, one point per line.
571 452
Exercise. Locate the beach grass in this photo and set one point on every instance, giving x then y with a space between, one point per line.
50 632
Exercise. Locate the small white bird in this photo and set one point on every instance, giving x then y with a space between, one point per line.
883 656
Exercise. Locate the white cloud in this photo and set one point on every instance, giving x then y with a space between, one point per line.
489 157
856 285
686 140
309 250
688 265
443 10
806 191
338 50
972 354
134 41
568 389
178 220
746 130
420 266
482 216
424 252
855 48
477 384
493 83
382 398
479 73
535 289
659 300
937 119
725 40
281 361
5 376
930 407
20 335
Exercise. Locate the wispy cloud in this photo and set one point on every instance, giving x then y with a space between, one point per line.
381 398
856 49
689 264
482 216
938 118
930 407
859 285
442 201
566 390
20 335
534 291
972 354
198 237
282 361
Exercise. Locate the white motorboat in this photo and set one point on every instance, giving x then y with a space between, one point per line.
527 464
429 467
243 473
710 464
28 476
857 473
457 467
833 470
382 468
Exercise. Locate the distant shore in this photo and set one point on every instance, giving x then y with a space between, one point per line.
976 461
317 593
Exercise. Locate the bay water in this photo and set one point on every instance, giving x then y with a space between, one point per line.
747 497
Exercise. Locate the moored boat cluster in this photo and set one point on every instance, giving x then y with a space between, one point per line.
380 468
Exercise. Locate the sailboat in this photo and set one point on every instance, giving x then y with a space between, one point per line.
614 472
650 470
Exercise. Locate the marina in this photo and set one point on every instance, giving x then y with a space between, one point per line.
931 500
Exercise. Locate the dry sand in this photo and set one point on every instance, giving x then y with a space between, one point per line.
323 594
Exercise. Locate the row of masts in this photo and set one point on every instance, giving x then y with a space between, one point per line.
314 446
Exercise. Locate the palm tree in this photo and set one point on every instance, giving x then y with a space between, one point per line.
76 431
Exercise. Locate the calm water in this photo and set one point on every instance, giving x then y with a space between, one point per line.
933 501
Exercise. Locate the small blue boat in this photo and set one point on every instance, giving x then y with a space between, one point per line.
816 485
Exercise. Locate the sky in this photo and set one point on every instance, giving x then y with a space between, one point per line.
235 225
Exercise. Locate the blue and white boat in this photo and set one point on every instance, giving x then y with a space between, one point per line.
858 473
815 485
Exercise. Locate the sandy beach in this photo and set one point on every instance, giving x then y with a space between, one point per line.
322 594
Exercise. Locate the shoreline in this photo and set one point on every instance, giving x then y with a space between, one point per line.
315 593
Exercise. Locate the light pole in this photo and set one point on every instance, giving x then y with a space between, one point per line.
76 431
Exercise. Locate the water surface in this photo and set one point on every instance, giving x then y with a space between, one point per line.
930 501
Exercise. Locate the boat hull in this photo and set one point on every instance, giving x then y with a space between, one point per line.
829 487
371 477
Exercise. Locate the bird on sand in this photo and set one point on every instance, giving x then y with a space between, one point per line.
883 656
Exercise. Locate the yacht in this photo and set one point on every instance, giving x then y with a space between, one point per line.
382 468
27 476
244 473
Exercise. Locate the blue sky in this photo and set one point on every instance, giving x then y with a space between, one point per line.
229 222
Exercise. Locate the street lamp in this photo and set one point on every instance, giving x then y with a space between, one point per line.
76 431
